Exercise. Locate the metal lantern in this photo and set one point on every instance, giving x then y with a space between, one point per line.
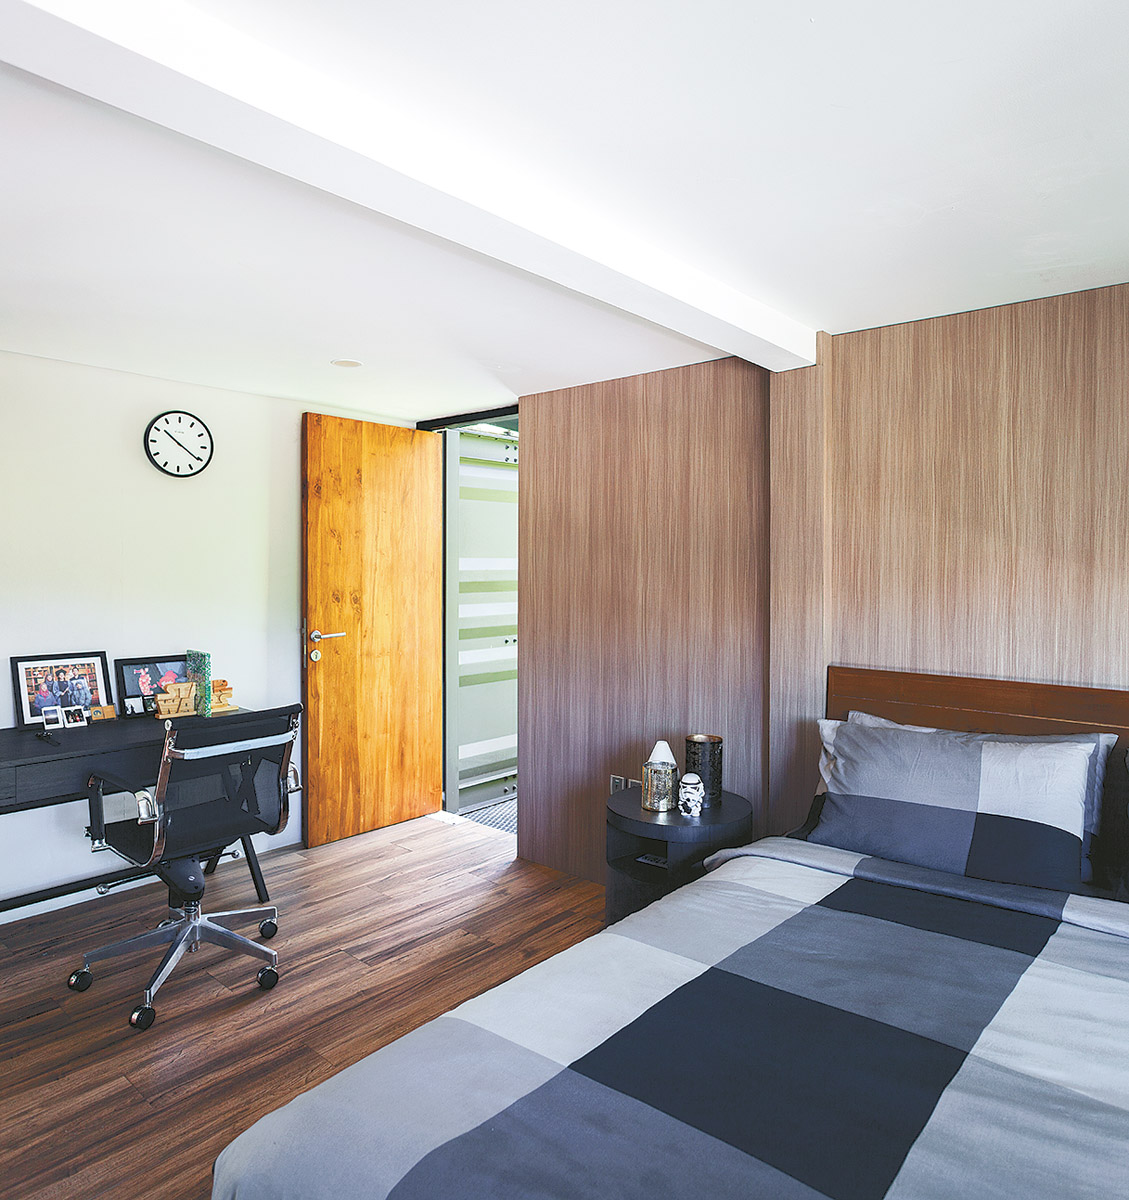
703 758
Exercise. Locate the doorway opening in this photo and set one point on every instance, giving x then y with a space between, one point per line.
480 620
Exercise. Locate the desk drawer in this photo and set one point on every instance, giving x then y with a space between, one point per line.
65 778
51 780
7 785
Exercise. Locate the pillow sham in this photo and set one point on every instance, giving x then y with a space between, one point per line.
1007 811
1102 744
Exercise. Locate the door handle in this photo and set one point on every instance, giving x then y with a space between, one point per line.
318 636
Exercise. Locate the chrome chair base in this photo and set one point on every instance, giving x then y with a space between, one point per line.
184 930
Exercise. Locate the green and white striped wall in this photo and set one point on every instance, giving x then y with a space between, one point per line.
481 620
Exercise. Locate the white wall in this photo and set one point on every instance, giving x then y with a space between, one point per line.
100 551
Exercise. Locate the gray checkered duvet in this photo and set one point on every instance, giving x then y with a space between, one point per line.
803 1022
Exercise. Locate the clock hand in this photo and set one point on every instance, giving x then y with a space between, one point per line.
182 445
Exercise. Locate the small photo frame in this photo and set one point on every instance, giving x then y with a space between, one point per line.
44 681
53 718
73 717
141 679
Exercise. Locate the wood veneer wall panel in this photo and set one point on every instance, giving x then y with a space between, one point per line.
797 659
642 591
978 516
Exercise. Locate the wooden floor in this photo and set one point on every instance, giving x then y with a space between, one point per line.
377 934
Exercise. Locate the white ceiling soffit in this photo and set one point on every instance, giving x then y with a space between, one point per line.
180 68
130 247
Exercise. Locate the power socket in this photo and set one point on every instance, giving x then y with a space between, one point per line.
618 783
635 783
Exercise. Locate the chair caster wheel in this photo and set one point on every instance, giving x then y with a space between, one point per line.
80 980
143 1016
267 978
268 928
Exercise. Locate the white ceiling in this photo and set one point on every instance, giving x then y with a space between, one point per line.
485 200
130 247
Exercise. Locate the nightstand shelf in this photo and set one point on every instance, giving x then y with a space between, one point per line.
681 842
628 864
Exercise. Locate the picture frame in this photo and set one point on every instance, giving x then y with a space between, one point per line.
74 717
41 681
140 679
53 718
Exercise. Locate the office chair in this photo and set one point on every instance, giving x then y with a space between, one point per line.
219 779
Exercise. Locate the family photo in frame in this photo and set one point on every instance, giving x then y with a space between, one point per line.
141 680
71 683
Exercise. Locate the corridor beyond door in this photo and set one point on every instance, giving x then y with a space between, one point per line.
480 775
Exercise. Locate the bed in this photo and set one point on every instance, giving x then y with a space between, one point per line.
807 1020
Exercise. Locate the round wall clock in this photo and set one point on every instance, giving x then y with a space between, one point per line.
178 444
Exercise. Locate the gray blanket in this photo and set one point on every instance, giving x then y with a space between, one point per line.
803 1022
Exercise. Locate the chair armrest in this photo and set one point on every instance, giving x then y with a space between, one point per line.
117 782
148 811
96 830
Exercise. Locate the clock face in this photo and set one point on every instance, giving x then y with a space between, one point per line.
178 444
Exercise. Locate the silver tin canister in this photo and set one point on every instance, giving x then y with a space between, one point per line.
703 758
660 786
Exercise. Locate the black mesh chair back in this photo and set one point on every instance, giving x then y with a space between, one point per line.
219 780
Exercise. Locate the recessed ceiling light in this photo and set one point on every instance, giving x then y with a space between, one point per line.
346 362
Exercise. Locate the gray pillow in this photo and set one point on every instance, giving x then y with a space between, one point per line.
1003 810
1102 743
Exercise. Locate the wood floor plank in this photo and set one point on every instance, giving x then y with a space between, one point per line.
198 1060
88 1108
377 934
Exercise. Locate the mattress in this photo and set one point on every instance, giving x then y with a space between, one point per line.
802 1022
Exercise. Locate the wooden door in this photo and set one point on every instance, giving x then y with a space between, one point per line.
372 570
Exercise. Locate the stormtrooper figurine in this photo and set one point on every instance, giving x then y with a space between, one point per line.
691 794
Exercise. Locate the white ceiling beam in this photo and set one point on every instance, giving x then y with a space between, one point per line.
174 66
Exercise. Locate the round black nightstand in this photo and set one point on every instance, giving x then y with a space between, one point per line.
670 846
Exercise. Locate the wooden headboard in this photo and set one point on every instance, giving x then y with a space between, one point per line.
1002 706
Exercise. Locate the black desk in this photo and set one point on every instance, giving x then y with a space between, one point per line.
38 774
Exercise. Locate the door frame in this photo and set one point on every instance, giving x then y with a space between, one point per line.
446 426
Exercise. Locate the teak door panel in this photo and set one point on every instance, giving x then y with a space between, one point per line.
372 521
